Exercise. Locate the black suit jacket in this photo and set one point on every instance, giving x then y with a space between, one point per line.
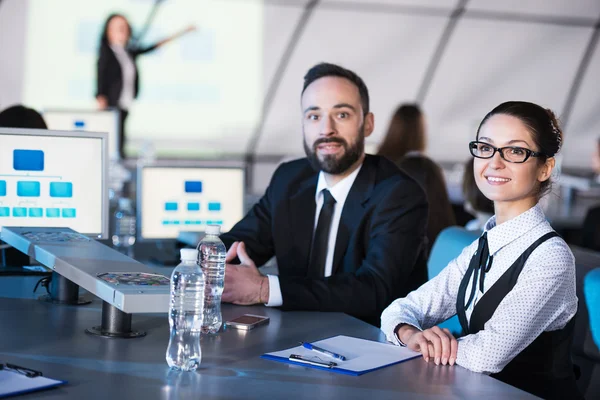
379 251
109 76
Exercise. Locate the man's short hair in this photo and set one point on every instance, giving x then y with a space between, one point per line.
20 116
323 70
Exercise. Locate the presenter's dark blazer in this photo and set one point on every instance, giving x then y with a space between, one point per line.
109 75
379 251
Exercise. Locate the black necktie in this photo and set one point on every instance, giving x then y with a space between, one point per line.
318 253
478 267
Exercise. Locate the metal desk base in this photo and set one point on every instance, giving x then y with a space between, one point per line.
115 324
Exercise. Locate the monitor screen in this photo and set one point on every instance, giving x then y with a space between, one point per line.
178 199
89 121
53 179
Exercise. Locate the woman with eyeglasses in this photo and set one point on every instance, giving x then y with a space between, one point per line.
514 288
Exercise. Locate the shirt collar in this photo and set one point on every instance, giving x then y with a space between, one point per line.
340 190
499 236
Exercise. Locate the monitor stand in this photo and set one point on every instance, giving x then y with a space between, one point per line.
63 291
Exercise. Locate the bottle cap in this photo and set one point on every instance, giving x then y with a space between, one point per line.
213 229
124 202
189 255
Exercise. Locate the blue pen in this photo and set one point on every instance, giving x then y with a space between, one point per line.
312 347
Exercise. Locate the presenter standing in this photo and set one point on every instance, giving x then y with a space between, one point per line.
117 72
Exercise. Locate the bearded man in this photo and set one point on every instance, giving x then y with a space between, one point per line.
347 229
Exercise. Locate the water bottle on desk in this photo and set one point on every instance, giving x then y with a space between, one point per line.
211 257
124 236
186 313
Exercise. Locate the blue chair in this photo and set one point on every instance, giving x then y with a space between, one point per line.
448 245
591 291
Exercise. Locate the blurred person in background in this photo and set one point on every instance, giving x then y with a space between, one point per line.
404 144
117 73
476 203
19 116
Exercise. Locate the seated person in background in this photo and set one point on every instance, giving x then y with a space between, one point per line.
404 144
347 229
20 116
475 202
596 161
514 288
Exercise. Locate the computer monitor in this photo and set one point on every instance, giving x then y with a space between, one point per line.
88 121
54 179
174 198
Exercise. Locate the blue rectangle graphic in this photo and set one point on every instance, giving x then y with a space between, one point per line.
28 160
4 211
79 124
36 212
61 189
193 186
214 206
171 206
52 212
2 188
28 189
193 206
69 213
19 211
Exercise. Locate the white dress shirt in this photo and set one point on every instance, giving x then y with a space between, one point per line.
339 191
543 298
128 75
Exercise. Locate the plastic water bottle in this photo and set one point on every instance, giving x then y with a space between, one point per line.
211 257
185 313
125 221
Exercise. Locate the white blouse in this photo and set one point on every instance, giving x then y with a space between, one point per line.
128 75
543 298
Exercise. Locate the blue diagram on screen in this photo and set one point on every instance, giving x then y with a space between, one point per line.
28 160
52 212
193 206
2 188
4 211
171 206
28 189
214 206
68 213
19 211
61 189
79 124
193 186
36 212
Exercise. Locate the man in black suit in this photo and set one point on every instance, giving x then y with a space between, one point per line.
347 229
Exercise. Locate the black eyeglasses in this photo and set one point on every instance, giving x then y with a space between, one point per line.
511 154
30 373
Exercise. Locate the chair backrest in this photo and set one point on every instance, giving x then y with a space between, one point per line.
591 233
591 290
448 245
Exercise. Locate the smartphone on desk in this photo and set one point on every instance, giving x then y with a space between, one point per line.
247 322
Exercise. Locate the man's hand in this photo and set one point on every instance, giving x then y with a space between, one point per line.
101 102
436 343
244 285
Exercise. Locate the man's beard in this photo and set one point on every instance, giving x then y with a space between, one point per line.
330 163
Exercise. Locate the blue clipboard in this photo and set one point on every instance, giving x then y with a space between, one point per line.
13 383
362 355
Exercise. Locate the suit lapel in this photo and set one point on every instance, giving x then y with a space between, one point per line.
354 209
302 219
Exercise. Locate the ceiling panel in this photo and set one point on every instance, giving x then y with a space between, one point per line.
279 24
583 129
487 63
411 3
389 51
554 8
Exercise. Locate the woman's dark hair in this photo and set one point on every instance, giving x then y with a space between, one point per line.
104 35
471 191
323 70
20 116
406 133
541 123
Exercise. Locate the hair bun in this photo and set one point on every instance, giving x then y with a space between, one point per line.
555 128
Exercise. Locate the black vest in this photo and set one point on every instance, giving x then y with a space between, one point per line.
544 368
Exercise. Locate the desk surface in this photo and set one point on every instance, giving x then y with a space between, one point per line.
51 338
